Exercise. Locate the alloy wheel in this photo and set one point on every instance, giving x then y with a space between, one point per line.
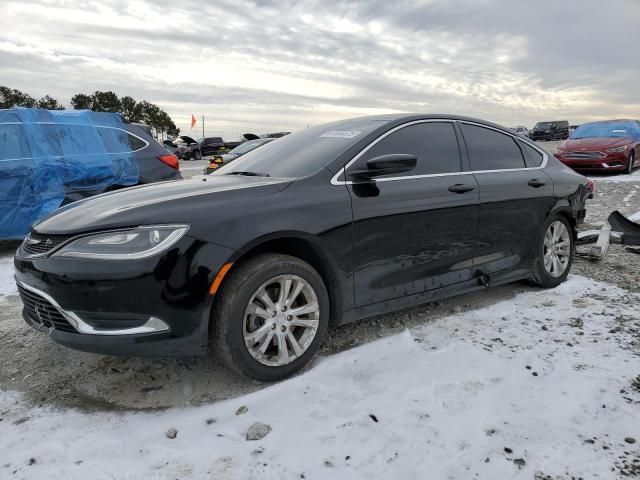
281 320
557 249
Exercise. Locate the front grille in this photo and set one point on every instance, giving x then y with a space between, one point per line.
584 155
39 244
41 311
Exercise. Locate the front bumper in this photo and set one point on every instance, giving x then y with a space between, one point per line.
609 163
155 306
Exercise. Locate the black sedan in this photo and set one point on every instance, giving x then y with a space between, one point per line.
326 226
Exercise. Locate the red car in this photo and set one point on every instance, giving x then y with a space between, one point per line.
612 145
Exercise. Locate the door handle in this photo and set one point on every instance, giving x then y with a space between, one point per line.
460 188
535 183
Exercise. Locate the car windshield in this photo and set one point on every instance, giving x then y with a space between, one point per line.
544 125
303 153
608 130
247 147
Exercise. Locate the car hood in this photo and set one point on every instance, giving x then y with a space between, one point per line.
158 203
188 139
593 143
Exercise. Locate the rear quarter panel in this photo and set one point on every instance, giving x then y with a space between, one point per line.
570 189
151 169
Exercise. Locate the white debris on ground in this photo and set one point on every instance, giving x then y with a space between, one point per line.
538 385
7 283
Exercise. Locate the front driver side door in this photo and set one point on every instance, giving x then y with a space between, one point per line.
415 231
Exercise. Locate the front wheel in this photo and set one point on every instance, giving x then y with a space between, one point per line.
197 155
631 161
270 317
554 253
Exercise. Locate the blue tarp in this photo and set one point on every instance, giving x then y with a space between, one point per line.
46 155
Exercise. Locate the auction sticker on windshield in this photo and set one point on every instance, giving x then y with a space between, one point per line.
340 134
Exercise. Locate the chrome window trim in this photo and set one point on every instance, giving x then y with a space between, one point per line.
152 325
515 136
545 156
146 144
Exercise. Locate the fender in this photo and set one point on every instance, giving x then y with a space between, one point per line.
313 250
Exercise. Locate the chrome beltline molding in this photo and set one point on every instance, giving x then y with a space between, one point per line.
545 156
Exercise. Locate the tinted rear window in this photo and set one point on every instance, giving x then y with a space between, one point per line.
532 157
491 150
119 141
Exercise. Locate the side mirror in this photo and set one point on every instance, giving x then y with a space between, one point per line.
385 165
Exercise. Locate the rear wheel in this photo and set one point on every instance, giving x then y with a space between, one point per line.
632 160
270 318
554 253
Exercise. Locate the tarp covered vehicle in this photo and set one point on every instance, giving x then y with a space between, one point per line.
49 158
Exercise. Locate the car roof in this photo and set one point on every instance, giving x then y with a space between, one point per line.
404 118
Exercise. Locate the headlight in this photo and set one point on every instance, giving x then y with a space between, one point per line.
623 148
134 244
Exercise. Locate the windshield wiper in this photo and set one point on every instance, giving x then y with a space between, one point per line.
249 174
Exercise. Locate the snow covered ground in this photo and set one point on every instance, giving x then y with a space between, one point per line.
618 178
7 284
537 385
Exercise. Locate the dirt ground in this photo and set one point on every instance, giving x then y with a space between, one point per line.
48 373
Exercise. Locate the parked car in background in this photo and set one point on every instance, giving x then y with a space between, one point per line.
607 146
180 151
217 146
212 146
558 130
191 147
246 147
51 158
521 130
329 225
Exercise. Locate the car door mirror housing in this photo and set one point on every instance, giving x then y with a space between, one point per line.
385 165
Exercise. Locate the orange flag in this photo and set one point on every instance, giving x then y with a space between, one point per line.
193 121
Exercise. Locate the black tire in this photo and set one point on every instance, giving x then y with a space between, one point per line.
229 311
540 276
197 155
632 160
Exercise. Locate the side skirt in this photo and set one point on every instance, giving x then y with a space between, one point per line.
402 303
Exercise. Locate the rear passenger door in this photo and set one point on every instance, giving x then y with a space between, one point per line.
515 197
413 232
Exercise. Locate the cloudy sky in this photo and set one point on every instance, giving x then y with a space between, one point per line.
280 65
